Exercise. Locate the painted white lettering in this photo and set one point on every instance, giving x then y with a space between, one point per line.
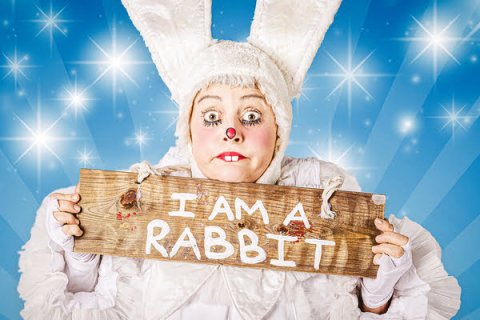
281 262
240 204
191 242
253 246
183 197
292 216
210 241
318 249
153 240
221 206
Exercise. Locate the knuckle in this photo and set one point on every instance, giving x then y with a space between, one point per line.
66 230
78 231
62 204
57 215
71 219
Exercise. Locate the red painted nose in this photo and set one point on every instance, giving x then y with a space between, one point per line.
231 133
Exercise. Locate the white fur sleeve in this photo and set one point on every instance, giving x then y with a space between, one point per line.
43 283
426 291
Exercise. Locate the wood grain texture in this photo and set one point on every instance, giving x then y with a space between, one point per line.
114 225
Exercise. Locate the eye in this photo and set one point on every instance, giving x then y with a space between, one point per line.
251 118
211 118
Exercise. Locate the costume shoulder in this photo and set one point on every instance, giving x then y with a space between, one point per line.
175 156
314 173
43 282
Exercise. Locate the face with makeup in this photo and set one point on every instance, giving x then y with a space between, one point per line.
242 154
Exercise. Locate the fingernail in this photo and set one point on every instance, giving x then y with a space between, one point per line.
77 221
77 208
75 197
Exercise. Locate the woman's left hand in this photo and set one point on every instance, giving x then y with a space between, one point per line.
389 242
393 255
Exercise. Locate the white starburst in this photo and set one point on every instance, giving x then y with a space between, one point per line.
114 62
85 157
76 99
16 66
140 138
453 117
39 138
434 39
350 75
50 22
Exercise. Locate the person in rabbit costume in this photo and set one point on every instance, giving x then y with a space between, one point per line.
57 283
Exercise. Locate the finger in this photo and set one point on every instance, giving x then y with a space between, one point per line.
383 225
388 249
77 188
73 197
68 206
376 259
392 238
72 230
65 218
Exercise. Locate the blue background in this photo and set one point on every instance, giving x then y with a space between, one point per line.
405 121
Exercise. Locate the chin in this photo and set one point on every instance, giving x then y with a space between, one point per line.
232 175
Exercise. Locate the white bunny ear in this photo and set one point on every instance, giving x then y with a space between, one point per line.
174 32
291 32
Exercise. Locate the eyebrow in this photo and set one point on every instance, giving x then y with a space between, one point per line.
242 98
252 96
209 97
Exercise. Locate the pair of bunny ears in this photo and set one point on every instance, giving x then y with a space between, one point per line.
288 31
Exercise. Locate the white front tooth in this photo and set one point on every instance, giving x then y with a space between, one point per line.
228 158
234 158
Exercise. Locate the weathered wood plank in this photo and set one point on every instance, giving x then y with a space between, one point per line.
114 225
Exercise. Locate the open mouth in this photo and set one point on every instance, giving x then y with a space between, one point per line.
231 156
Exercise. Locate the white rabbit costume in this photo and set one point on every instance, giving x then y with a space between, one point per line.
284 39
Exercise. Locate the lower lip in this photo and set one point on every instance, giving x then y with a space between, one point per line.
231 158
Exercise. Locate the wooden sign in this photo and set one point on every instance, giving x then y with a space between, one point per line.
239 224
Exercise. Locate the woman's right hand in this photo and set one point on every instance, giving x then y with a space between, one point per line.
62 223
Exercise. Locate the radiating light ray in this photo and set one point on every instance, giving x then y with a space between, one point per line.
174 120
350 75
15 66
113 62
471 33
435 39
12 8
39 138
51 21
85 157
303 95
336 156
453 117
